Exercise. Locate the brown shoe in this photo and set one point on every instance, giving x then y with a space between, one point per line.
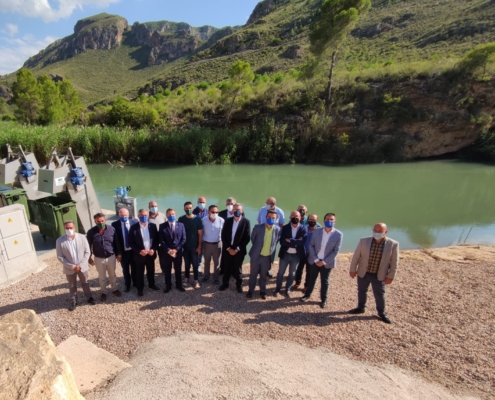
295 286
117 293
103 297
196 285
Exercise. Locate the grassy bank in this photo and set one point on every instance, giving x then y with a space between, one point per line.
264 142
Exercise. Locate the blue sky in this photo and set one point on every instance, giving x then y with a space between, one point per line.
28 26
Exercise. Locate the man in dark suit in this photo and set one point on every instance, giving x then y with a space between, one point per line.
126 259
235 238
292 238
143 238
264 238
323 249
229 211
172 240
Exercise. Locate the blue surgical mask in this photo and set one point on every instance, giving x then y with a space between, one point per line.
123 219
237 213
154 210
329 224
202 205
270 221
171 218
143 219
378 235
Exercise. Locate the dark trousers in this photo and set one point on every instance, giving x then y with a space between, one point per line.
166 263
191 258
314 271
378 291
149 264
303 265
128 268
232 266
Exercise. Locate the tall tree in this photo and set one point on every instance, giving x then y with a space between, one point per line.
52 110
240 74
335 20
26 96
70 99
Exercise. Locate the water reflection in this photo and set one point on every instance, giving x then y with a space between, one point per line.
425 204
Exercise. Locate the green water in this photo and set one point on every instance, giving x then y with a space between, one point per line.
425 204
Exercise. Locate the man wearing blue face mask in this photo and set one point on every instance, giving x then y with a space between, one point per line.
323 249
270 204
143 238
375 263
126 259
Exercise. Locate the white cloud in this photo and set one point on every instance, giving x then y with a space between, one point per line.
11 29
43 9
14 52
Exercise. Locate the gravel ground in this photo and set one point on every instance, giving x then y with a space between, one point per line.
441 304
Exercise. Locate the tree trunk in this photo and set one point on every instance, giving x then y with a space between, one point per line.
328 100
231 107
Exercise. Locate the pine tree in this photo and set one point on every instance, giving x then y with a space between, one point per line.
52 110
26 96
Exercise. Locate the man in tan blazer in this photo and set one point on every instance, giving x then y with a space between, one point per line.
375 262
73 252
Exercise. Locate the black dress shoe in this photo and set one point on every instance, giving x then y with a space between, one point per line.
154 287
263 296
269 274
91 301
127 288
385 318
140 293
324 304
181 289
72 306
239 289
304 298
357 311
249 295
167 289
223 287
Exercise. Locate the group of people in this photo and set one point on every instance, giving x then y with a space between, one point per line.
221 238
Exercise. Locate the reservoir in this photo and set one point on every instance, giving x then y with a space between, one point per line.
425 204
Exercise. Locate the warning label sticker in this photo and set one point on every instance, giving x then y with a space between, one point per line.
59 181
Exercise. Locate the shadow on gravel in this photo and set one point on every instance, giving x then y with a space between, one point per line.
302 319
42 304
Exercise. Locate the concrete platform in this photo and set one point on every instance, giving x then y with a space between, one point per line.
91 366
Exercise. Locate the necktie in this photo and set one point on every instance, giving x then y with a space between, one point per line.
126 236
173 230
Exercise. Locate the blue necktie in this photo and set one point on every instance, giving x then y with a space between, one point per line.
126 236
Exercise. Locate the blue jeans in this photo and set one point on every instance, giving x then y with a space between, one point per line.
291 260
191 258
378 291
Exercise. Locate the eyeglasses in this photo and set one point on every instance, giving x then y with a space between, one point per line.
215 212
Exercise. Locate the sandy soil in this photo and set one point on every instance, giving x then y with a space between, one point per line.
441 304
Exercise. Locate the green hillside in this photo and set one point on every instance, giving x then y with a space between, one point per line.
399 32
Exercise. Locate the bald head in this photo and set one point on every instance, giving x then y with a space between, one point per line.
380 231
123 212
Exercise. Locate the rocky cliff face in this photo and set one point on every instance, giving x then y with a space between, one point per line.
263 8
102 31
32 368
168 40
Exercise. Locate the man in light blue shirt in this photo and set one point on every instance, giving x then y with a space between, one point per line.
271 205
212 243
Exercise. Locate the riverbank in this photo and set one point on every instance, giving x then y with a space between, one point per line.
441 304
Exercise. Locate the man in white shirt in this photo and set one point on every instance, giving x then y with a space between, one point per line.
212 243
323 249
73 252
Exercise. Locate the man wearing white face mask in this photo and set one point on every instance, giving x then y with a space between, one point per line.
212 243
201 210
229 211
73 252
156 217
375 262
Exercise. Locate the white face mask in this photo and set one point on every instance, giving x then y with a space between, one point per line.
69 232
230 208
378 235
213 216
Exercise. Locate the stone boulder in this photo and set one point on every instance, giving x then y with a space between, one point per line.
5 92
294 52
31 366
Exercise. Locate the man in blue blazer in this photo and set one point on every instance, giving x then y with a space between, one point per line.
292 238
323 249
172 240
126 259
264 238
143 238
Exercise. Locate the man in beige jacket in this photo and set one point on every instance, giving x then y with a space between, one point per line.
73 252
375 262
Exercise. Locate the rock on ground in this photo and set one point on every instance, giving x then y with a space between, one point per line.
189 366
31 366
